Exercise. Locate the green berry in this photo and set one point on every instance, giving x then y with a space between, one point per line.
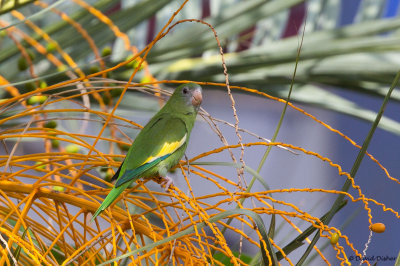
106 51
42 99
108 176
42 84
30 86
50 124
116 92
106 99
40 166
94 69
136 64
133 64
58 188
146 79
32 56
22 64
62 68
104 168
51 47
31 101
72 148
124 147
130 64
55 143
37 99
52 133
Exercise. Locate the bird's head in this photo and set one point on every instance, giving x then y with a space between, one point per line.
187 97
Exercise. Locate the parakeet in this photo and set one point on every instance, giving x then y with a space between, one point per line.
160 144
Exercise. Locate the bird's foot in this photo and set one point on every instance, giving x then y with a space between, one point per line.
167 181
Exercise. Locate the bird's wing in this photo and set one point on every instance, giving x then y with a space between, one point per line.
116 175
156 142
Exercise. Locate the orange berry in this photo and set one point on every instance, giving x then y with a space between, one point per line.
334 238
378 227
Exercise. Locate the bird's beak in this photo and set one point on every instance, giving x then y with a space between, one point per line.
197 97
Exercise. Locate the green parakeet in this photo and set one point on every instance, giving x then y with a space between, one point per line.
160 144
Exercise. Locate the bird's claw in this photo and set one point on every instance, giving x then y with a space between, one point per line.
167 181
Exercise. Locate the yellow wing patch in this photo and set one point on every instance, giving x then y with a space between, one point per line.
167 148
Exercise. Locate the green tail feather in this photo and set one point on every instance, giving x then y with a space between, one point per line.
111 197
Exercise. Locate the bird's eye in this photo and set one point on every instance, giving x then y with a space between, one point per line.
185 90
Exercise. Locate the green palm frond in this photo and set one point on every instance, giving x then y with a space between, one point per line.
362 57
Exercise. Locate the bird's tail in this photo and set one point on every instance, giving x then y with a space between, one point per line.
111 197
